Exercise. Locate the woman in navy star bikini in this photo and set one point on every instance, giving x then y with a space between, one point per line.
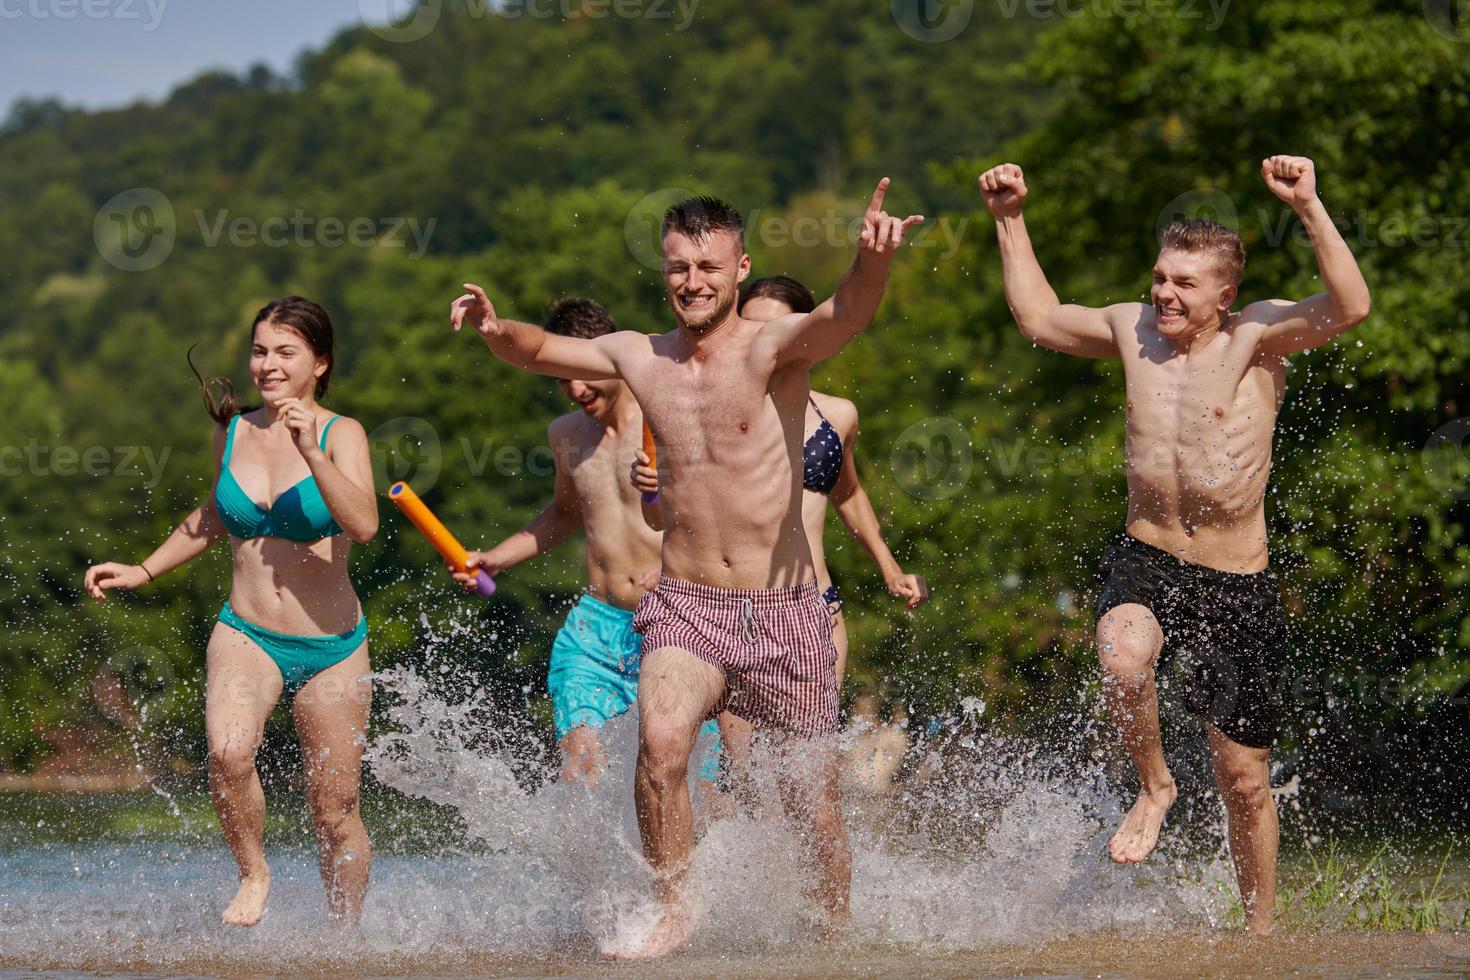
292 623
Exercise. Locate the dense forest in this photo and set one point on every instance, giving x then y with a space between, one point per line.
533 155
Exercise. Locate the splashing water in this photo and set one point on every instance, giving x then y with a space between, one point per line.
986 841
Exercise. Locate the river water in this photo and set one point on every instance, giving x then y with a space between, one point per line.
988 858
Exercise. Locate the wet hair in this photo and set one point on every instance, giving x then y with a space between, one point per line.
301 316
578 316
782 289
1202 237
700 217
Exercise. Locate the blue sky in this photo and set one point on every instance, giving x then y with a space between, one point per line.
98 53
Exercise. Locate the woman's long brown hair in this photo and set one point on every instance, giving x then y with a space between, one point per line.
302 316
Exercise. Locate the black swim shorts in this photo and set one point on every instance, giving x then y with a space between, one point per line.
1224 635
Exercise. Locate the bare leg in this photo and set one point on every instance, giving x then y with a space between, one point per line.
331 713
243 685
675 692
1128 644
811 800
1244 778
839 640
582 758
736 733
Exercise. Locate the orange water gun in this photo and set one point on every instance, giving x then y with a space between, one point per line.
651 451
445 543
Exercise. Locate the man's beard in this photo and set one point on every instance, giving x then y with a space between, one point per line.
716 316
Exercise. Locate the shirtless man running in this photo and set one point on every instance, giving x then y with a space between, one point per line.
1190 579
736 621
594 661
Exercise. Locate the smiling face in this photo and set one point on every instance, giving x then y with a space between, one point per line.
282 363
702 276
1190 294
599 399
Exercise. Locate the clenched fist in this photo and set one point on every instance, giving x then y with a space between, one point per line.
1004 188
1293 179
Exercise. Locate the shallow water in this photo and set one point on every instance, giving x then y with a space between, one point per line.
988 858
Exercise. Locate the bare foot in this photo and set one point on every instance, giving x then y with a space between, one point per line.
673 932
249 903
827 926
1136 836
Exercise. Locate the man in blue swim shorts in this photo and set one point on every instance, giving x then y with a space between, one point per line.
594 660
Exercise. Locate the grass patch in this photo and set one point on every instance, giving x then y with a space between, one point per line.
1367 896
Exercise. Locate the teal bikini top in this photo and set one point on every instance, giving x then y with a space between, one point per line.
298 514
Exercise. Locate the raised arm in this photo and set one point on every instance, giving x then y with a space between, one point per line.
195 535
529 347
856 510
817 335
1316 320
552 526
1082 331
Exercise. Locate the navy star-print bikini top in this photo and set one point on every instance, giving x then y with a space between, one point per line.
821 457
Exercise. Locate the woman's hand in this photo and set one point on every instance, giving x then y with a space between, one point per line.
111 575
301 421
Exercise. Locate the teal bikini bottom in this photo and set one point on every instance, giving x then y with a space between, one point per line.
300 658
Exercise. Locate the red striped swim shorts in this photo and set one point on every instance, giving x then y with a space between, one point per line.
774 647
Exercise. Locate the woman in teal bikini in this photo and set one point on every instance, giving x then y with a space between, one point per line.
292 623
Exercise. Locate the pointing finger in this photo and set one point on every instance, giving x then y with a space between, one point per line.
876 204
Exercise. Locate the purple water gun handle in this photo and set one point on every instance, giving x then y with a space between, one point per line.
484 584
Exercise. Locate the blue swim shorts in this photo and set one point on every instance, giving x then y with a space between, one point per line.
594 676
